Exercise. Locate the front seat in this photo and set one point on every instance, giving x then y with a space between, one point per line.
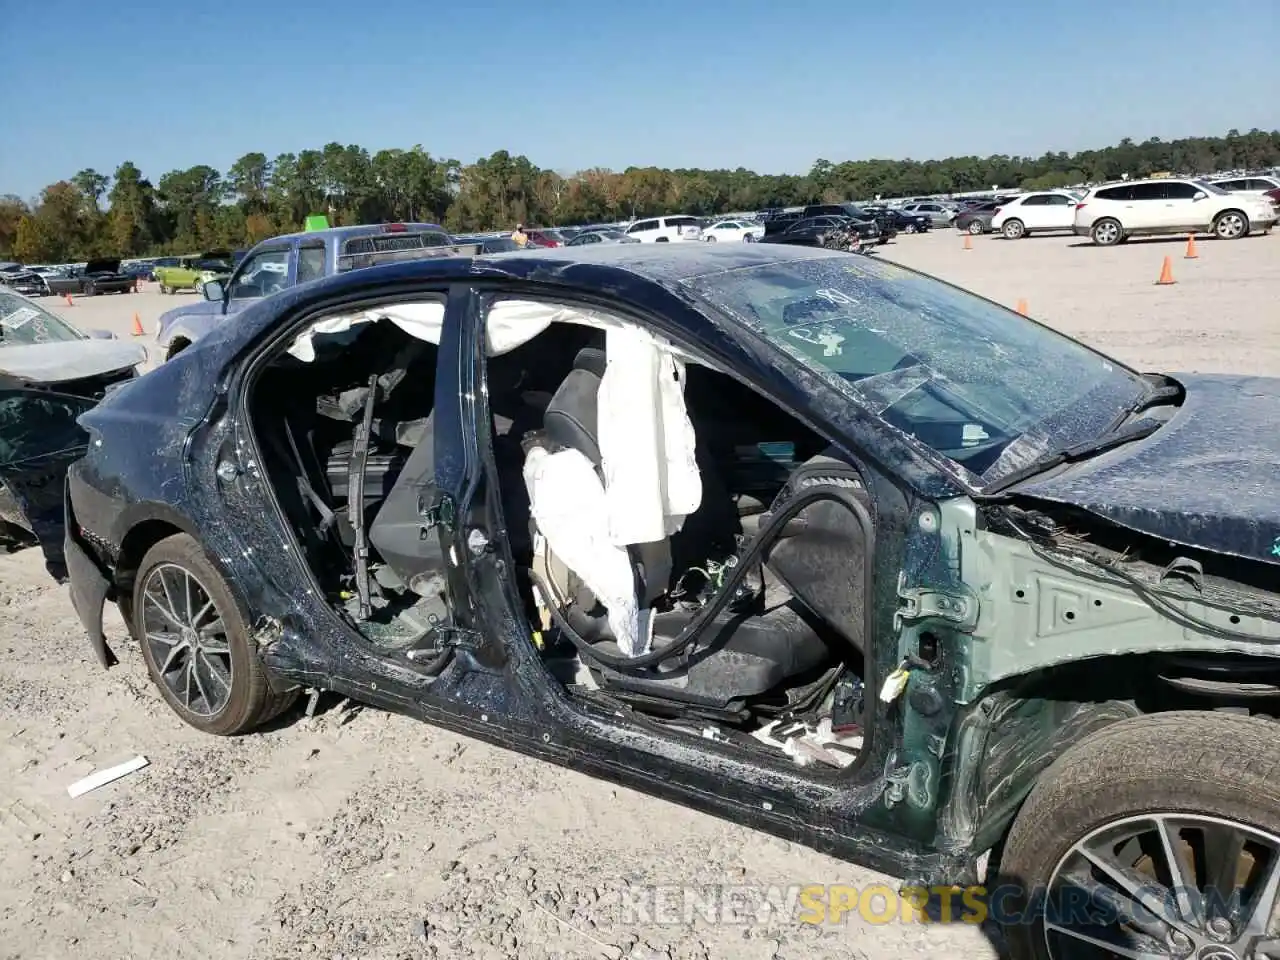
741 654
570 422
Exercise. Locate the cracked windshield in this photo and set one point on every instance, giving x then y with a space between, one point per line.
975 382
23 323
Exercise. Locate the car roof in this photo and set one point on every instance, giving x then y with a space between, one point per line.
667 263
355 230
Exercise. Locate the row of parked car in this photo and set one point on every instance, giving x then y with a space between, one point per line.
1111 213
102 275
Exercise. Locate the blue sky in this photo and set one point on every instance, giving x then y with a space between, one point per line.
771 85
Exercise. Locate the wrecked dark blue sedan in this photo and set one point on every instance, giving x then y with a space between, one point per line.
806 540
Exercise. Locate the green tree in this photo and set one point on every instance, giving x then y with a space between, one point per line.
257 198
12 210
132 220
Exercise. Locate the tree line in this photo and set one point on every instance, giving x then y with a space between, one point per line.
127 215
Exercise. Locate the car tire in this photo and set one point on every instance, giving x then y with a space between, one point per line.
1231 225
1211 775
164 288
909 228
975 227
90 289
1107 232
711 239
219 685
1013 229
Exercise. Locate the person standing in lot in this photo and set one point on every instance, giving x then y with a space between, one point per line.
519 237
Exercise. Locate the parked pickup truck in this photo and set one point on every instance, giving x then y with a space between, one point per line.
285 261
193 272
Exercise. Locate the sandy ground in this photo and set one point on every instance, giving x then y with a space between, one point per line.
354 833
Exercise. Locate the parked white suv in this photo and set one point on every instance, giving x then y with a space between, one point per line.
1113 213
666 229
1036 213
1254 184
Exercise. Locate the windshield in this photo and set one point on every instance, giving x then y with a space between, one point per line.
974 381
1210 187
23 323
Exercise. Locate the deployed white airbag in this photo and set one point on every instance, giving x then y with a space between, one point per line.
646 440
509 324
568 504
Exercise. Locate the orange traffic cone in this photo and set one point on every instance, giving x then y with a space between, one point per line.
137 326
1191 247
1166 273
1022 307
70 302
968 242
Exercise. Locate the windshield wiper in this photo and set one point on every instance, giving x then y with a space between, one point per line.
1157 396
1074 454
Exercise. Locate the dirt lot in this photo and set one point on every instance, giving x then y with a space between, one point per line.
339 836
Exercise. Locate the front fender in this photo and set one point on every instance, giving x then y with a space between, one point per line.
1001 746
186 327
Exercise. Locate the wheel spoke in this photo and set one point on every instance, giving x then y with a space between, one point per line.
174 652
1268 949
1223 848
1108 946
162 606
211 631
215 671
215 645
168 597
187 601
1183 883
1138 888
1263 903
201 614
193 671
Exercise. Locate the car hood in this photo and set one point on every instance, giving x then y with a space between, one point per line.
202 308
103 265
51 363
1209 478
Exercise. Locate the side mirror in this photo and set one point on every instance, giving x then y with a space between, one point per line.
1199 195
213 291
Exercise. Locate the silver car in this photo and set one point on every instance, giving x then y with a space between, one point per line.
600 236
940 214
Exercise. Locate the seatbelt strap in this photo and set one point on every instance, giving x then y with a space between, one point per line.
355 501
327 516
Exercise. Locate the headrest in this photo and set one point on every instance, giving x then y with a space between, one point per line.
570 420
591 359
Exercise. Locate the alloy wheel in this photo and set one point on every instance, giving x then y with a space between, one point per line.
1230 226
1166 887
187 639
1106 233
